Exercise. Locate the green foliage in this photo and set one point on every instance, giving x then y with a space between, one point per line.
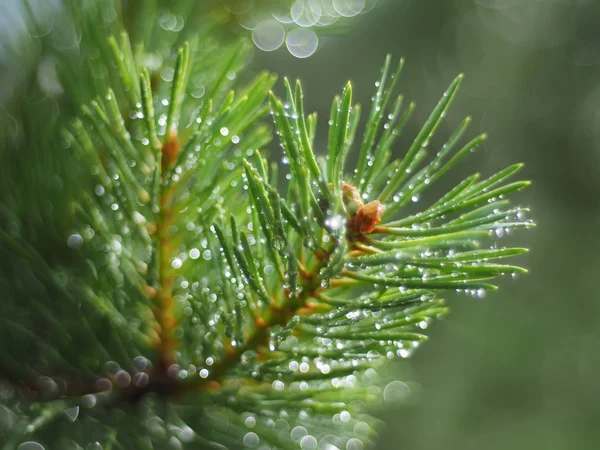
223 299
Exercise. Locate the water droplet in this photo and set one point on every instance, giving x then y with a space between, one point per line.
122 379
251 440
349 8
403 353
250 422
308 443
268 35
396 391
298 433
278 243
30 445
224 131
186 434
141 379
72 413
302 42
88 401
141 363
74 241
335 222
354 444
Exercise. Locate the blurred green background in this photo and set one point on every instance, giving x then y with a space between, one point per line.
518 369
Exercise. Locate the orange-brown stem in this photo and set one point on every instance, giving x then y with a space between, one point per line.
275 315
164 309
365 248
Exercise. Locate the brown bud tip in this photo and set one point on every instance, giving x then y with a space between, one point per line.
260 323
374 210
352 199
149 291
171 149
367 217
306 311
212 385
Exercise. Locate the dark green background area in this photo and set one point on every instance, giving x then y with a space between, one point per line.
518 369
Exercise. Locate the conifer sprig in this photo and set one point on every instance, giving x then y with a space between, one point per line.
333 287
242 302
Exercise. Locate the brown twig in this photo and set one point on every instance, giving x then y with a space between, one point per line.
275 315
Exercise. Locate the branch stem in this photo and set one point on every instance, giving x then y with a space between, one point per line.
275 315
163 310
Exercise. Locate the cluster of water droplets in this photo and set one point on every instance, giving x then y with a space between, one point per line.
295 25
297 427
345 430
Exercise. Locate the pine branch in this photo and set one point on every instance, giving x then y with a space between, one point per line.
236 311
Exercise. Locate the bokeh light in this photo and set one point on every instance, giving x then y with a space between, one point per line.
300 24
